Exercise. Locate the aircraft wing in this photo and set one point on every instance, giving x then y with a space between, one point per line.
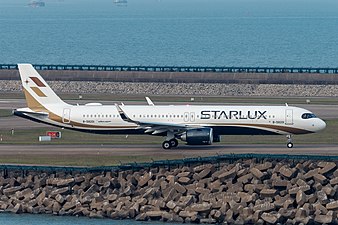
156 127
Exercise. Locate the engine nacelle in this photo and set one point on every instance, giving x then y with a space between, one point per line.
199 136
217 138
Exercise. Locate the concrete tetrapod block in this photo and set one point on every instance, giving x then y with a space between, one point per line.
329 167
323 219
203 207
64 182
265 166
245 178
11 190
322 197
310 174
63 190
265 193
184 180
257 173
179 188
144 179
293 191
302 216
320 178
184 174
332 205
227 175
199 168
264 207
269 218
286 172
280 183
300 198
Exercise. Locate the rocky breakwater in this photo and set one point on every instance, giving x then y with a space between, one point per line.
245 191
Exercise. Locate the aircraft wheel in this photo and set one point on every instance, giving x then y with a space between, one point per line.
173 143
289 145
166 145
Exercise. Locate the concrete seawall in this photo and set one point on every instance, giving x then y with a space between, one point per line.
181 77
240 192
173 89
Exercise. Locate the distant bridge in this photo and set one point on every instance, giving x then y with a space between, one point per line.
201 69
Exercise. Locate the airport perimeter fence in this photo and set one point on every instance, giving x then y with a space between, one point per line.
168 163
215 69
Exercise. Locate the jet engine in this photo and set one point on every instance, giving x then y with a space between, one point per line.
199 136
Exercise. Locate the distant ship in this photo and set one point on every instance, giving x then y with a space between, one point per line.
36 4
120 1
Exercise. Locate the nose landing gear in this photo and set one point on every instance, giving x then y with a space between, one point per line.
289 144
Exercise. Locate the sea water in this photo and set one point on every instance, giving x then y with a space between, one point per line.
27 219
290 33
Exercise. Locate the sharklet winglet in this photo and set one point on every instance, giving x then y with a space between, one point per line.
149 101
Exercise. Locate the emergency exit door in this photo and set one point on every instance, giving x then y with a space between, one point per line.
66 116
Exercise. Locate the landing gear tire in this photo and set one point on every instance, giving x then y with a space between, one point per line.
173 143
289 143
166 145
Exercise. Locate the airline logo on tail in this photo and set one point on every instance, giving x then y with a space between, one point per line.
37 81
37 90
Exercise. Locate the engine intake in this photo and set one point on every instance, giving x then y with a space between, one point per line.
200 136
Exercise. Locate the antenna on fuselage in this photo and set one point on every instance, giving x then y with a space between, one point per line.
286 104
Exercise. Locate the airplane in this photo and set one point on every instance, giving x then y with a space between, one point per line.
193 124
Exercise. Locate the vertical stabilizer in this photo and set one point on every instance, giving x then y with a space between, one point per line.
37 92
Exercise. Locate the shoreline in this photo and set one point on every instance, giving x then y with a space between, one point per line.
260 191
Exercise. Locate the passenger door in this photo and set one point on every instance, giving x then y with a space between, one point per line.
288 116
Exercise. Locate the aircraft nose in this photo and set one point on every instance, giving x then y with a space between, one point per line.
321 125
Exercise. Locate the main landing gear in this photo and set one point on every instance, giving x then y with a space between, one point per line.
289 144
172 143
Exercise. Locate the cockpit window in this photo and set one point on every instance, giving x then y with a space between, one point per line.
308 116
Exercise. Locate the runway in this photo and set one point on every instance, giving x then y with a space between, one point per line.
129 152
156 150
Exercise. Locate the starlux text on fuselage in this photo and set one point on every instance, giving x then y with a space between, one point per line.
233 114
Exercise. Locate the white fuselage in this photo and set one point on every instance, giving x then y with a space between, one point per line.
225 120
